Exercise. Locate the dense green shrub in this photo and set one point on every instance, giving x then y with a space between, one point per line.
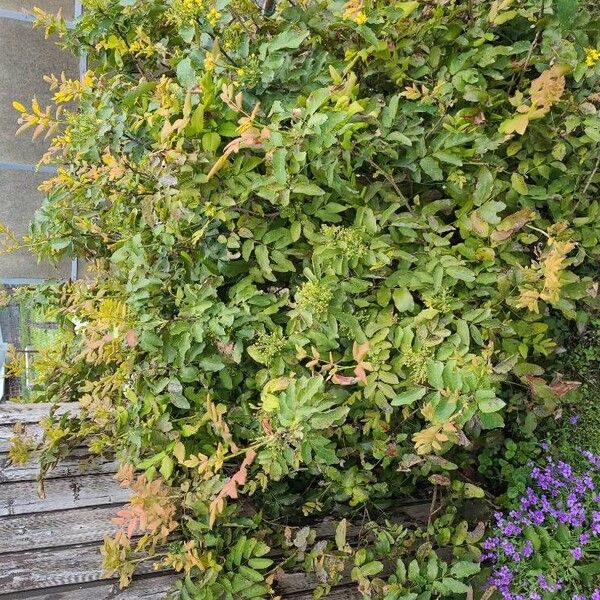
325 246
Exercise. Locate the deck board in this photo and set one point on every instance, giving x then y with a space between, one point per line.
31 430
39 569
68 492
14 412
54 567
146 588
22 533
79 463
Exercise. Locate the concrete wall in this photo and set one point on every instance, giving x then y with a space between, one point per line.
25 57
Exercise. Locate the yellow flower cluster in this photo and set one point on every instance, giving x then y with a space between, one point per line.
142 45
185 12
268 346
360 18
592 56
209 62
213 16
232 37
353 11
415 362
249 75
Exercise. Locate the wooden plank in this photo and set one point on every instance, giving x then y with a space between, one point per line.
30 430
298 584
341 593
147 588
47 568
61 494
19 412
22 533
79 463
417 513
39 569
70 527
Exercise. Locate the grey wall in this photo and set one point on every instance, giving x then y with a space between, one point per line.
25 57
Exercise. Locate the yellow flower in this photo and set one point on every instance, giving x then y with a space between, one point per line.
360 18
209 62
213 16
592 56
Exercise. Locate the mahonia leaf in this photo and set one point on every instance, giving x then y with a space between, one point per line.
549 87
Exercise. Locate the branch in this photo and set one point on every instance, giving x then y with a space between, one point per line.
391 181
591 177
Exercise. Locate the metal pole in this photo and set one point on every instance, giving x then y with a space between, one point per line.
267 7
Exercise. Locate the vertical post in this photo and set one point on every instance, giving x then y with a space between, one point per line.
267 7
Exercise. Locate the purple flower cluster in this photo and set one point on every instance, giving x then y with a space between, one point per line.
562 506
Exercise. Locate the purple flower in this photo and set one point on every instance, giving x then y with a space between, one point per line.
511 529
574 419
543 583
559 496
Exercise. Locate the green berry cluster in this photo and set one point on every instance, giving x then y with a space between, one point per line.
415 362
314 297
346 240
268 346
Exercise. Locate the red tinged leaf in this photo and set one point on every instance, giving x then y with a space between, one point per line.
562 387
438 479
266 425
344 379
229 490
131 338
360 351
559 386
360 372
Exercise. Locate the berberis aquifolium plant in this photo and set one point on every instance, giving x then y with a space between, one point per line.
333 254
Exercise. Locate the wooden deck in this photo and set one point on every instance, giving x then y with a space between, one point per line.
49 549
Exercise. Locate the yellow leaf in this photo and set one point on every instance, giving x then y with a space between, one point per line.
529 300
512 224
517 124
18 106
549 87
36 107
478 225
217 166
179 452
